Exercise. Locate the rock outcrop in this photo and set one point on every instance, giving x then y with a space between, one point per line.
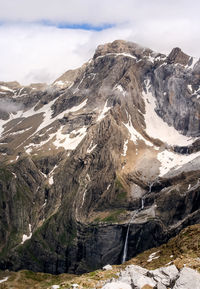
162 278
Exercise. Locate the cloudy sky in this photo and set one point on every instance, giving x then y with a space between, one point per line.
41 39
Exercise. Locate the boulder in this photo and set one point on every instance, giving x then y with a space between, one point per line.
107 267
136 276
164 275
75 286
163 278
188 279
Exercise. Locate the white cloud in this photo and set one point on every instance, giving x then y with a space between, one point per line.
32 52
9 106
37 53
97 12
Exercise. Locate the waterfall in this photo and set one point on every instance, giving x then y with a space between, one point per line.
150 186
125 245
142 204
126 240
127 233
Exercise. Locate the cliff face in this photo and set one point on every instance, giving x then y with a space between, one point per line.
114 139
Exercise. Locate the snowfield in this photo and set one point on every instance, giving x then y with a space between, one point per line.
157 128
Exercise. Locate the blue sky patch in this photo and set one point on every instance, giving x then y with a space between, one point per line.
83 26
62 25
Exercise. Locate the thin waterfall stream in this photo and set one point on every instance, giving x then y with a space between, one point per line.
133 216
142 204
126 240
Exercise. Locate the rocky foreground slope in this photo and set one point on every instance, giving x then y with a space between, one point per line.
113 143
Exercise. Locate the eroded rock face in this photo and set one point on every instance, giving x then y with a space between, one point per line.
178 56
176 99
109 146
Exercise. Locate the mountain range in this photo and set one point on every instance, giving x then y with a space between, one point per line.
106 156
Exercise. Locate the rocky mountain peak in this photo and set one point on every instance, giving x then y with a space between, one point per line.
121 46
178 56
109 148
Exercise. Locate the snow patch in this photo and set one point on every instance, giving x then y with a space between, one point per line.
27 237
47 111
83 200
67 141
120 88
170 160
77 89
92 75
104 111
2 122
6 88
125 148
47 115
20 131
51 180
28 150
153 256
151 59
45 202
91 148
75 108
32 146
52 171
108 187
14 175
134 134
157 128
62 84
88 177
118 54
19 93
75 286
44 175
4 279
194 61
59 83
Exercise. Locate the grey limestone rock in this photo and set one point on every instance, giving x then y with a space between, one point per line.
188 278
161 278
